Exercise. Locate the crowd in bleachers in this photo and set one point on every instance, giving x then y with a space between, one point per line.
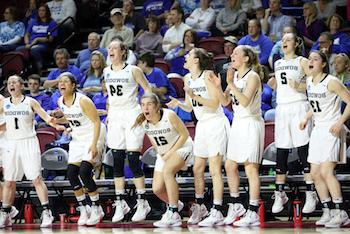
161 33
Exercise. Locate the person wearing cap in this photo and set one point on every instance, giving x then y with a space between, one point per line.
261 43
222 65
118 29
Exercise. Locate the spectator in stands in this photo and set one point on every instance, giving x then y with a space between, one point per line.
157 79
176 56
309 28
61 57
60 10
133 19
11 31
188 6
325 9
31 13
277 52
274 21
260 42
174 36
118 29
221 67
158 8
168 24
230 20
39 36
202 18
325 44
83 59
342 68
91 83
41 97
217 5
100 101
151 40
341 41
250 7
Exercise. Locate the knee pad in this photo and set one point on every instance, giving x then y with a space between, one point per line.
282 161
303 154
135 164
73 176
85 173
118 162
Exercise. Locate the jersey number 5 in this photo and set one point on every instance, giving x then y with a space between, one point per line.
116 90
283 78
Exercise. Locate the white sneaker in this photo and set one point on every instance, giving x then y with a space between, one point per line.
215 218
47 219
339 218
234 211
142 210
325 218
198 213
14 212
121 209
280 199
5 219
250 219
96 215
310 202
85 212
169 219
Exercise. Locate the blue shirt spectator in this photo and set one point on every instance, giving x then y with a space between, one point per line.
261 43
100 101
11 31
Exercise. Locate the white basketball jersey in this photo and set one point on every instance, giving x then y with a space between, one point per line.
199 88
122 87
82 127
19 119
253 109
284 70
162 134
325 104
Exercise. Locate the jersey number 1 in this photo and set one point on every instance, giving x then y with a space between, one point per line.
16 123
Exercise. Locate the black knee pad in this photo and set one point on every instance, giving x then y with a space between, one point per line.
119 161
85 173
282 161
73 176
135 164
303 152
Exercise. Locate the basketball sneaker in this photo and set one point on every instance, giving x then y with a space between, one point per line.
95 216
121 209
280 200
234 211
215 218
310 202
142 210
250 219
169 219
339 219
198 213
46 219
85 212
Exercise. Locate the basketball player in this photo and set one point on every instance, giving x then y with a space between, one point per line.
291 108
122 82
246 142
14 211
22 155
211 135
85 148
327 140
170 137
